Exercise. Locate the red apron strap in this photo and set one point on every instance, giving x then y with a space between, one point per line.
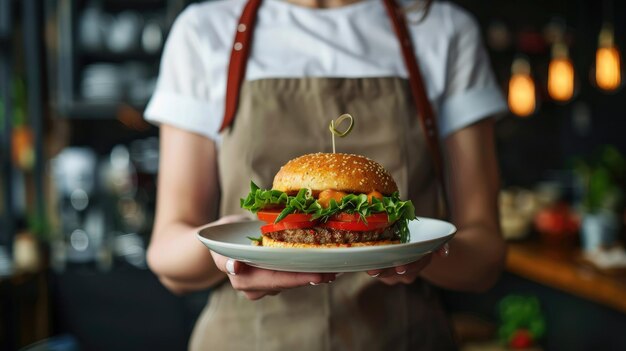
238 59
425 111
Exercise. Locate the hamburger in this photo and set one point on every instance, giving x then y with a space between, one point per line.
330 200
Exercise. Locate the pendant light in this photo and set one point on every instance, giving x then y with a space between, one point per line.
560 74
522 100
608 62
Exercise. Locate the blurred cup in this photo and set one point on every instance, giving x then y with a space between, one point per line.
74 168
152 37
26 253
125 32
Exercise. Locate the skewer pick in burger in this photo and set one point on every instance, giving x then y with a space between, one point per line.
330 200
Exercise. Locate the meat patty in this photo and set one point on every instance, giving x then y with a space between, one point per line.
320 235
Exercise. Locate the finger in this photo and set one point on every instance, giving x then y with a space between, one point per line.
393 271
403 273
232 266
418 265
243 269
326 278
375 273
248 278
227 265
388 272
257 279
401 270
444 250
255 295
280 280
397 270
382 273
259 294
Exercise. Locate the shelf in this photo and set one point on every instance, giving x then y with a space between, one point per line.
110 56
70 61
121 5
97 110
560 267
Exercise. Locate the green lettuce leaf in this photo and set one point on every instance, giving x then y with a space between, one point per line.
398 211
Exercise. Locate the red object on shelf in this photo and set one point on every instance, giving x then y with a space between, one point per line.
557 221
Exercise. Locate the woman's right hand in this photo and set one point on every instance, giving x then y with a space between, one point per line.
255 283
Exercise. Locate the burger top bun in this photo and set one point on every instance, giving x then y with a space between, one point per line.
343 172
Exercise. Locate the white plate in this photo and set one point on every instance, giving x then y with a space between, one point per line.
231 240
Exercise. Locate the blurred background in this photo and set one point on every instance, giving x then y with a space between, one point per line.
78 170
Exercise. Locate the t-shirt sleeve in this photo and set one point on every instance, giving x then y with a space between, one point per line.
182 97
471 92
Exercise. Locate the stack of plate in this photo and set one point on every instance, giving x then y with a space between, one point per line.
102 82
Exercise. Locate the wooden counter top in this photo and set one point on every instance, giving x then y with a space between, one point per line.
561 268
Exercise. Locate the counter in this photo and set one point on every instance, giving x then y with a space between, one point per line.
561 267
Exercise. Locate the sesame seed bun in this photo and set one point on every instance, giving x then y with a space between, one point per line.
269 242
343 172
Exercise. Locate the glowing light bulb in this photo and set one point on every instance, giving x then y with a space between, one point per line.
608 62
521 99
560 74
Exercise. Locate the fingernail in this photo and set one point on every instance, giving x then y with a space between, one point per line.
230 266
446 250
375 275
313 283
401 272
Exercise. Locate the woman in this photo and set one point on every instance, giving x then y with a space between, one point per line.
309 62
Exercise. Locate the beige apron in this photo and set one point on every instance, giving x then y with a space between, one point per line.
277 120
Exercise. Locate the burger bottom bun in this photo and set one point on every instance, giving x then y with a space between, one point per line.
269 242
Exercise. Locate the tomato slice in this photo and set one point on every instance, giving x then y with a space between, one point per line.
270 216
282 225
356 226
355 217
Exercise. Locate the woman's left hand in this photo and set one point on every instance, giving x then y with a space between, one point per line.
406 274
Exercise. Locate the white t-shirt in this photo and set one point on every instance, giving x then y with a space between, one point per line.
292 41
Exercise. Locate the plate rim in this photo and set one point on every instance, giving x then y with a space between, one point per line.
453 230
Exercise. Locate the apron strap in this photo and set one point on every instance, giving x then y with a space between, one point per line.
241 51
425 111
238 59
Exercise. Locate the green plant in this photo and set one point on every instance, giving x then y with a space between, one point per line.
602 179
18 104
521 321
